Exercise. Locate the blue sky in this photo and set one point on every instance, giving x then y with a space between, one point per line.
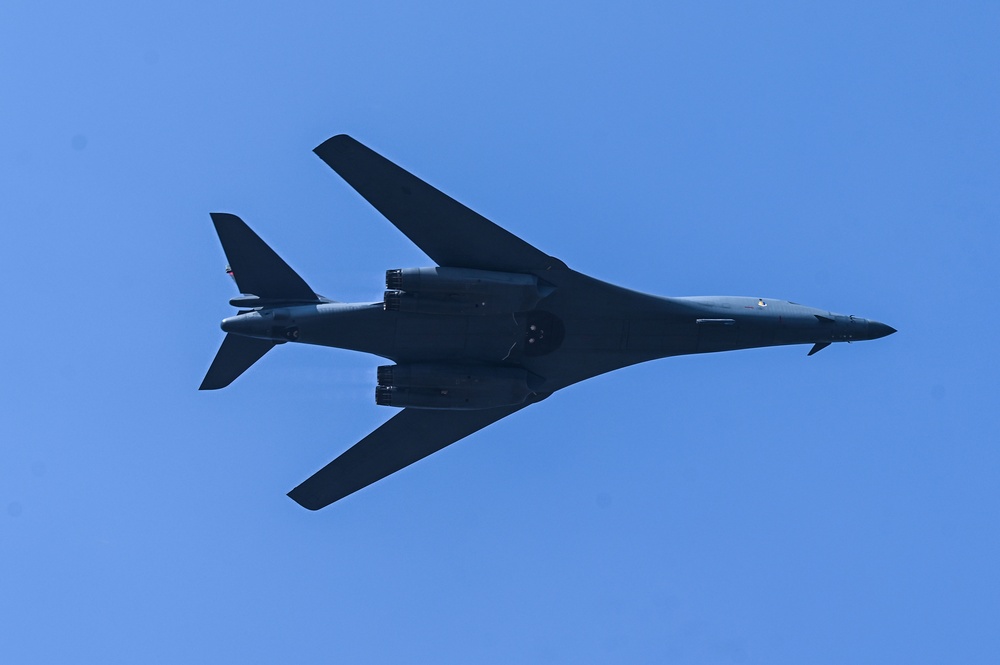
753 507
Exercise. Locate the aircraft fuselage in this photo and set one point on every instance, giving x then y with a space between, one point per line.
628 328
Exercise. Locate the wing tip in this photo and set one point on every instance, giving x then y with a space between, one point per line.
306 500
333 145
224 217
211 382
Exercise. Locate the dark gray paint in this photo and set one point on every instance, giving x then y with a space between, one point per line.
580 327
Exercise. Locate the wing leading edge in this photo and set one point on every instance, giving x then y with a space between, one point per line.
407 437
447 231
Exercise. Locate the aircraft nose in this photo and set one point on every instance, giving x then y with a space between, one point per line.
877 330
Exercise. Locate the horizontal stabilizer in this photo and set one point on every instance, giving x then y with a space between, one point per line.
257 269
409 436
235 356
447 231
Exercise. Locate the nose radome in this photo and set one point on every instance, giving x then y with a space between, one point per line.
877 330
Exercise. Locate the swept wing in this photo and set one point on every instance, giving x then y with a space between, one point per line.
454 236
407 437
447 231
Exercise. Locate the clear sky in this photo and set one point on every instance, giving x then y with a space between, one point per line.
751 507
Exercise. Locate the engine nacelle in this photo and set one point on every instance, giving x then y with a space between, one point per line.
461 291
450 387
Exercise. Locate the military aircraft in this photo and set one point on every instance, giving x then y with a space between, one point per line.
495 326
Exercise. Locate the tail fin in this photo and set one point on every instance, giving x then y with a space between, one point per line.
235 356
255 266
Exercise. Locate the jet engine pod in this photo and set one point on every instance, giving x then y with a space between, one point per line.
420 303
460 291
450 387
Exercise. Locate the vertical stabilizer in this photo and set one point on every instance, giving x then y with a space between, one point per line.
257 269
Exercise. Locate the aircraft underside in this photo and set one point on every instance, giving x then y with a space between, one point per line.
495 326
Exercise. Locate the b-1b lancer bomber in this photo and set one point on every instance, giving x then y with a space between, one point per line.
494 326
